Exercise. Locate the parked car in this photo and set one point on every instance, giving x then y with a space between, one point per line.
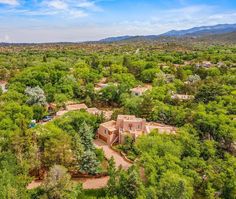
47 118
32 124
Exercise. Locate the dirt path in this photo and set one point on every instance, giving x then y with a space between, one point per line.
88 183
119 160
95 183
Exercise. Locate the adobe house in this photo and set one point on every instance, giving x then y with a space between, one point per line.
76 107
162 128
129 125
94 111
116 131
100 86
205 64
107 114
140 90
182 97
108 132
71 106
3 85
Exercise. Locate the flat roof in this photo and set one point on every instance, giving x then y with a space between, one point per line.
126 117
76 106
94 110
161 127
110 125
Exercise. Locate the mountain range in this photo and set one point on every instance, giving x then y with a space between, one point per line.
196 32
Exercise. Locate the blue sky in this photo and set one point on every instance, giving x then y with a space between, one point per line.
81 20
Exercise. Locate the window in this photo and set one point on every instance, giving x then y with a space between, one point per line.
130 126
106 131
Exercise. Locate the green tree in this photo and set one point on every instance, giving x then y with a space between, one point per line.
1 91
38 111
130 184
112 183
12 186
146 107
109 94
173 185
89 163
58 184
13 177
209 92
55 145
149 75
86 135
35 96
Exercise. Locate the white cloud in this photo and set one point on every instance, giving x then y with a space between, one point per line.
67 8
71 29
10 2
57 4
87 4
77 13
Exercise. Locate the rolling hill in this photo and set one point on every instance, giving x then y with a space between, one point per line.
196 32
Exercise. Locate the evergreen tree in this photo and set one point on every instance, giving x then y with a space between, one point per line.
86 135
89 163
112 186
78 149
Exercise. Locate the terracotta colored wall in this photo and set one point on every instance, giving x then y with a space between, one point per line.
110 136
133 125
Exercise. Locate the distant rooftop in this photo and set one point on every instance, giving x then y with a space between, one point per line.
72 107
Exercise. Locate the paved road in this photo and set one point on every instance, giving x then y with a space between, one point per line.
119 160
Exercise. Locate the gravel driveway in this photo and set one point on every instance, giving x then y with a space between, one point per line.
119 160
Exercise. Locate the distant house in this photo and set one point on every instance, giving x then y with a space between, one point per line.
140 90
71 106
100 86
76 107
182 97
107 114
187 63
206 64
3 85
221 64
116 131
94 111
61 113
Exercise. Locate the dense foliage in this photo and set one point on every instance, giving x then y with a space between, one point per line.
198 162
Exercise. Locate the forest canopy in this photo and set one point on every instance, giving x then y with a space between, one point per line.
190 87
